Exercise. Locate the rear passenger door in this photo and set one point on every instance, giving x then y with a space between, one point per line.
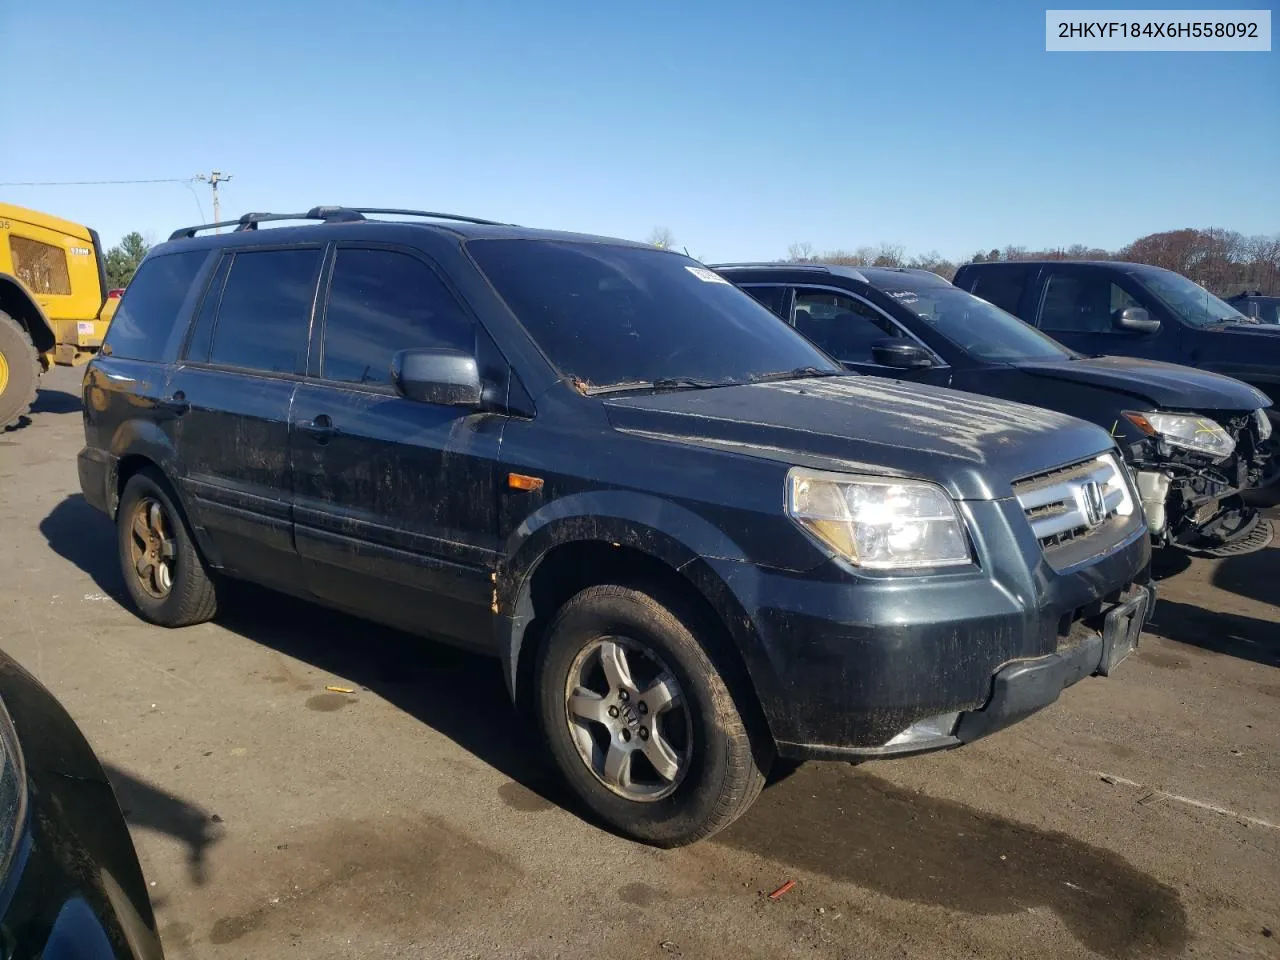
231 397
395 500
1077 306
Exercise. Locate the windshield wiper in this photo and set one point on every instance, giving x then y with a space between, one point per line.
662 383
796 374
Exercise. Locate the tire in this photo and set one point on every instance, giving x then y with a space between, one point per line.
185 594
716 778
19 371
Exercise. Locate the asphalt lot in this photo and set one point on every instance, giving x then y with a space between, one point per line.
1139 816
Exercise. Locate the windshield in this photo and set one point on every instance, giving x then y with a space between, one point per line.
609 315
976 326
1191 302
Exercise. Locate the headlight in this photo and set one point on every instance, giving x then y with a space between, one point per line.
13 792
1264 424
877 523
1187 431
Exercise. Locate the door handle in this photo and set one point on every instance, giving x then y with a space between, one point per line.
176 404
321 429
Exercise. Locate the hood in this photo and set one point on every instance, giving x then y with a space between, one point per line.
975 447
1269 330
1165 385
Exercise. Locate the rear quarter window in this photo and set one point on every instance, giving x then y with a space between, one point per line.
152 304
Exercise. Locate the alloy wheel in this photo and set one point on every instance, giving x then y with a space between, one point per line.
628 718
152 548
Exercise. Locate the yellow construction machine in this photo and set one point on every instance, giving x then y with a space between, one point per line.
54 301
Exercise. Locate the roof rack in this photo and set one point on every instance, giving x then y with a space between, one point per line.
834 269
329 214
778 264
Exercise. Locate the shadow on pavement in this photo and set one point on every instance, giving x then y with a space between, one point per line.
457 693
55 401
855 828
46 401
1255 576
1248 638
83 535
1168 563
149 807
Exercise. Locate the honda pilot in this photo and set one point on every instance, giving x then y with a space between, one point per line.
693 541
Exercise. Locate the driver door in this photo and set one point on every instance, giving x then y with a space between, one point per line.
1078 304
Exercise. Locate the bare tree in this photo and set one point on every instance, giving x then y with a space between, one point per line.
800 252
934 262
662 238
887 255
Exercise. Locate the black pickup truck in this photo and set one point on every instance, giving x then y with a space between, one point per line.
1132 310
1195 439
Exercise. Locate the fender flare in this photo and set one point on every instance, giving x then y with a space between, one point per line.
658 528
17 301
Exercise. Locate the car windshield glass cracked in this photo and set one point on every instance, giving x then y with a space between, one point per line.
605 314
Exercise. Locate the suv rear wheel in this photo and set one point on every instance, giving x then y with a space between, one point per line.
163 571
640 721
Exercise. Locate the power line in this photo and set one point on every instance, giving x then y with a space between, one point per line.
90 183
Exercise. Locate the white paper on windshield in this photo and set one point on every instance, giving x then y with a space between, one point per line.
707 276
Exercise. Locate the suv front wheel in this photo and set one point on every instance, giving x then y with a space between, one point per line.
640 721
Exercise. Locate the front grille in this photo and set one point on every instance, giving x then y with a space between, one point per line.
1090 499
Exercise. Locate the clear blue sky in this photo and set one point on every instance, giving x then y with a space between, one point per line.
742 126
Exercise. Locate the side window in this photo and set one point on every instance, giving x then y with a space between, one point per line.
41 266
775 298
1081 303
381 301
265 311
841 325
1002 286
202 335
151 304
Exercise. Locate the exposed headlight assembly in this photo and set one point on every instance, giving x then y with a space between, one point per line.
1187 431
1264 423
878 523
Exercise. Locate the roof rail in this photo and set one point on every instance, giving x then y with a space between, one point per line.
777 264
393 211
327 214
834 269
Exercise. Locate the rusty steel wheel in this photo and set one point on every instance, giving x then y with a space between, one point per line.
152 548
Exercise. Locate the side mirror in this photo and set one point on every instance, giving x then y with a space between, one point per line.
437 375
901 353
1136 319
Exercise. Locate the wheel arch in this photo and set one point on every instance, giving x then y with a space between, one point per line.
17 301
561 557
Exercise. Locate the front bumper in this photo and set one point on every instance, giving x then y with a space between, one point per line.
843 662
1020 689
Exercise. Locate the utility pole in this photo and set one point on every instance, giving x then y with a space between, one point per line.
213 179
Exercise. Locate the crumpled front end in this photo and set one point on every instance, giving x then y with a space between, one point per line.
1193 500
